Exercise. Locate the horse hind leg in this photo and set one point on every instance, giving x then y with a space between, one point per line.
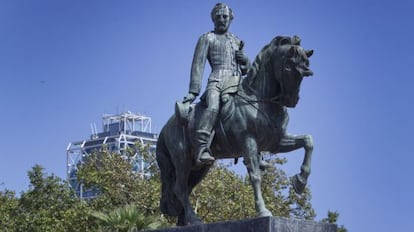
195 177
182 190
181 221
169 204
252 162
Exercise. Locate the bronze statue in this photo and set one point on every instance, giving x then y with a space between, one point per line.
252 118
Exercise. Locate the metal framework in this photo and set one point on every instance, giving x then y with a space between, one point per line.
119 132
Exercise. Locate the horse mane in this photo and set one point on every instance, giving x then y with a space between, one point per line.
260 64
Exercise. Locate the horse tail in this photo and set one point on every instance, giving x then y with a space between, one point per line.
169 204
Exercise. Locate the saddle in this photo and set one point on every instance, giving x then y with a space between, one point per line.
229 86
186 112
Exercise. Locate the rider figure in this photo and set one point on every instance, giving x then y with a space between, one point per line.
223 50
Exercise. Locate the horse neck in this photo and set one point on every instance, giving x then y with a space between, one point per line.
262 84
265 90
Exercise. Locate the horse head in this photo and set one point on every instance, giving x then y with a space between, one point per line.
278 70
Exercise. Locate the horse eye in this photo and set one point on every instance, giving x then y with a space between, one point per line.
290 63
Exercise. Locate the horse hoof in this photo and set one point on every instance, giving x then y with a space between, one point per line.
265 213
298 183
195 221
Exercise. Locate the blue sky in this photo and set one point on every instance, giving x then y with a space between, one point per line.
65 63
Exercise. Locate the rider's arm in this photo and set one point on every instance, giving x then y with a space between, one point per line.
241 58
245 67
199 61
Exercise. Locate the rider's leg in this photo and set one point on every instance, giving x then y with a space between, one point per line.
203 134
205 125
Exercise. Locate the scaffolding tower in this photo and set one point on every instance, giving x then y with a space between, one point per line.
119 132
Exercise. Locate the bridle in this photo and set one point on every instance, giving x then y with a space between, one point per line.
280 80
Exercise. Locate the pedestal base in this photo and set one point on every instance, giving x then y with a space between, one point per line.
263 224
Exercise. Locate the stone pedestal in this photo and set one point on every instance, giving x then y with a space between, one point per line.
263 224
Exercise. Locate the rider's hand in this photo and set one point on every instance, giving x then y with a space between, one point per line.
189 98
241 58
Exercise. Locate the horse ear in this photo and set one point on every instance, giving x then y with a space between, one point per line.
309 53
280 40
296 40
284 40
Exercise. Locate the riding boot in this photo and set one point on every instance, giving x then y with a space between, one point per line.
203 134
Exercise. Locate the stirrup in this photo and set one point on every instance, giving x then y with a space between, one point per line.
264 165
206 157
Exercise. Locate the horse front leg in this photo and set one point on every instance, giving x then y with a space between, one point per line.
293 142
252 162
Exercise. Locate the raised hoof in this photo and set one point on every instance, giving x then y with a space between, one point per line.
298 183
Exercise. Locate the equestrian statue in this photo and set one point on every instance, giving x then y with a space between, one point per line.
242 113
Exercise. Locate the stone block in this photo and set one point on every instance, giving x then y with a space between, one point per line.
262 224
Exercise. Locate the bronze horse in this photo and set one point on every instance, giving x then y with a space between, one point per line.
253 119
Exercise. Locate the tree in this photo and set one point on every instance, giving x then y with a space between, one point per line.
128 199
50 205
111 175
333 218
222 195
8 207
118 184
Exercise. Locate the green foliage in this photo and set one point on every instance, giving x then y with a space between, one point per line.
8 207
50 205
333 218
129 201
222 196
109 173
118 184
127 218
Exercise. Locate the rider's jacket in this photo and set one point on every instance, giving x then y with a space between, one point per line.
219 50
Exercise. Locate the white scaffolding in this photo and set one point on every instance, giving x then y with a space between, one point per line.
119 132
128 122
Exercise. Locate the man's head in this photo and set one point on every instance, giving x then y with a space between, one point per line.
222 16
